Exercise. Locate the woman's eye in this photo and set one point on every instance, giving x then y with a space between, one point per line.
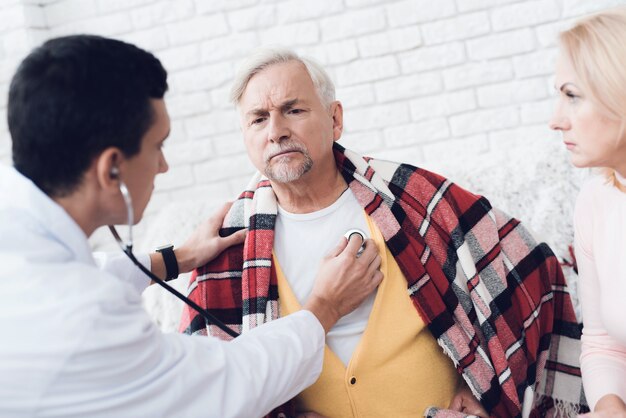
296 111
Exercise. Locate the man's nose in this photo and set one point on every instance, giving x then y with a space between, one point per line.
278 129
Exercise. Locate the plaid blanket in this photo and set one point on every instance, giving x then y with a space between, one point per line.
495 300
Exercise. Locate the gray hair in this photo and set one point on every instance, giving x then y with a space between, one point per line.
267 57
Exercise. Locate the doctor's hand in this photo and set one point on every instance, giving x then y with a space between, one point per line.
204 244
344 281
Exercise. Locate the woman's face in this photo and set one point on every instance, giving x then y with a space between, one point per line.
591 136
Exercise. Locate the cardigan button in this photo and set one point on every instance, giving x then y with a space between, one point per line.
353 380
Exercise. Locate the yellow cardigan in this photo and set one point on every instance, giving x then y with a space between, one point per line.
397 369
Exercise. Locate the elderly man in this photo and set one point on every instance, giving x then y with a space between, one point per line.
457 273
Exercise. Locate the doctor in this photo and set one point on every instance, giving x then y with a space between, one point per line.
86 115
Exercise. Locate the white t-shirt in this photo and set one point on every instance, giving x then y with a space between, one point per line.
300 243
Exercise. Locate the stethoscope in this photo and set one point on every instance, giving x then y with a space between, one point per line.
127 248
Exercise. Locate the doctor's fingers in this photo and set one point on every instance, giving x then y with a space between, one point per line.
233 239
369 253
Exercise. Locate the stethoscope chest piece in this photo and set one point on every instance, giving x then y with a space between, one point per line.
356 231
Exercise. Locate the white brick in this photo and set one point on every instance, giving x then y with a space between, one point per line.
456 148
109 6
332 53
162 12
407 155
217 192
189 104
12 18
471 5
7 68
206 7
409 12
528 13
484 121
352 23
415 133
362 142
228 47
501 45
295 11
202 77
442 105
573 8
176 177
151 39
408 86
458 28
536 63
477 73
390 41
239 183
260 17
547 35
187 153
431 57
525 136
353 4
195 29
516 91
16 43
35 17
366 70
211 124
66 11
223 168
180 57
220 97
109 25
537 112
178 133
305 33
229 144
356 96
376 116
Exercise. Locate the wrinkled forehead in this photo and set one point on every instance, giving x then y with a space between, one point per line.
277 83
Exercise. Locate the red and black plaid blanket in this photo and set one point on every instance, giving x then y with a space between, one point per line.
494 298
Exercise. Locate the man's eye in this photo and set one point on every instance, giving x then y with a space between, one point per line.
257 121
296 111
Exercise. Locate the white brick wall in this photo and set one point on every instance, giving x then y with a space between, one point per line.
420 80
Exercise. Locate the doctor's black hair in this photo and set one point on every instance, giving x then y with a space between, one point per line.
75 96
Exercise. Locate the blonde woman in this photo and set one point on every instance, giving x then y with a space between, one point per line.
591 114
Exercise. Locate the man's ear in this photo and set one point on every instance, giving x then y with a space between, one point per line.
108 170
336 110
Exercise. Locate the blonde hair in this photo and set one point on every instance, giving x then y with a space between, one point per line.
596 47
264 58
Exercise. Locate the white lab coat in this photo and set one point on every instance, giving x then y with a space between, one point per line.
75 340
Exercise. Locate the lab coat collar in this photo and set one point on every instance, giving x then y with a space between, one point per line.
19 192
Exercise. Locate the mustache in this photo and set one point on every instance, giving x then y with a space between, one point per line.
283 147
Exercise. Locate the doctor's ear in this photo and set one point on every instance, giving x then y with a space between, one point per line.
108 168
